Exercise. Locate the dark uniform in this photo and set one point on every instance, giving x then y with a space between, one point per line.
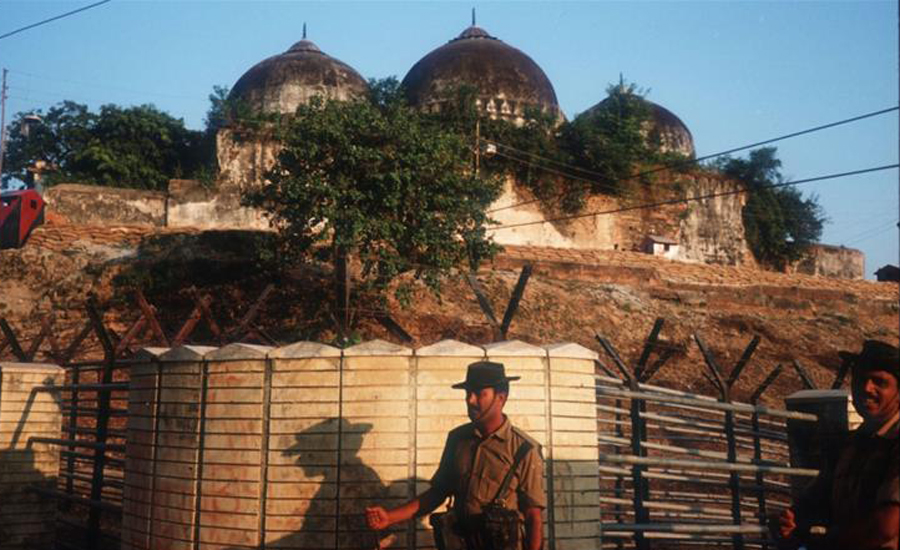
472 469
863 477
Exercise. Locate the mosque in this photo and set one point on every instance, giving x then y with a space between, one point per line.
507 82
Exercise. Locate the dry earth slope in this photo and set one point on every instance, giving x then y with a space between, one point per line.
572 296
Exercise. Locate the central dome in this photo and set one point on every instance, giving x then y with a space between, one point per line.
506 79
283 82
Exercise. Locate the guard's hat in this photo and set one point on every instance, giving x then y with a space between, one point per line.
875 355
484 374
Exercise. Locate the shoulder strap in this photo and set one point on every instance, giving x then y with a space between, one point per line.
520 454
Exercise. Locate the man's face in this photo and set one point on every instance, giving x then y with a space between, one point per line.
485 403
875 395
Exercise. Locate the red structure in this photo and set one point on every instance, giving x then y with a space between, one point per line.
20 213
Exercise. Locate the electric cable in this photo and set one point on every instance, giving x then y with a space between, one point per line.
873 232
670 202
745 213
553 171
684 162
55 18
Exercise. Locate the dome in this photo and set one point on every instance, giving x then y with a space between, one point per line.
664 128
283 82
506 79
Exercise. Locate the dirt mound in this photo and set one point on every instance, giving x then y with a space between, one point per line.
572 296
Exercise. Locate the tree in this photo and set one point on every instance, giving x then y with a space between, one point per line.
565 162
378 179
610 140
779 223
562 163
140 147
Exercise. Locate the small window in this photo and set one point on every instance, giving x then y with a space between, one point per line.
34 204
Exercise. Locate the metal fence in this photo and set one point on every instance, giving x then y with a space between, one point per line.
677 470
681 470
94 403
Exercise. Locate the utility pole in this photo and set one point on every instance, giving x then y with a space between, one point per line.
3 120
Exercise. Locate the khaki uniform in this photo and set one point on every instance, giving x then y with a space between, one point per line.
863 477
472 468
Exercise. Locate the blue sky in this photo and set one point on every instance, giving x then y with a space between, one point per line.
734 72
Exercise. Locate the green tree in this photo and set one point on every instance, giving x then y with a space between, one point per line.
610 141
378 179
562 163
779 223
140 147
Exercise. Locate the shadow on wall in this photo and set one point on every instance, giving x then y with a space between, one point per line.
332 521
26 517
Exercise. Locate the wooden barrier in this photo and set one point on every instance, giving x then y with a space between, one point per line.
30 418
243 445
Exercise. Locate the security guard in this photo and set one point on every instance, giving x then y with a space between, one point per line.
857 496
475 461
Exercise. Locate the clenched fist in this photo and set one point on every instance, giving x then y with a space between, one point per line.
782 527
377 518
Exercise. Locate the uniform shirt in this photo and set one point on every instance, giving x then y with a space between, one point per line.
864 477
473 467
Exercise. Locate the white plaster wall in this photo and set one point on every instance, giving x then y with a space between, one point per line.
673 253
216 213
591 232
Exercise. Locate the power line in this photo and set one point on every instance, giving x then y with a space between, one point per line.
872 232
45 21
675 164
697 198
746 213
552 171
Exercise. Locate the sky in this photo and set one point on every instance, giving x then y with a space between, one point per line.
735 72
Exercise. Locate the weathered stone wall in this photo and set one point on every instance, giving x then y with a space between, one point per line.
98 205
708 231
191 204
517 206
832 261
712 230
244 162
27 518
234 446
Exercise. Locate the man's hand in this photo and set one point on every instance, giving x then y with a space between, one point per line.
782 527
377 518
787 523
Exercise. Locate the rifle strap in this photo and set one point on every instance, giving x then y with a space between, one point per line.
520 454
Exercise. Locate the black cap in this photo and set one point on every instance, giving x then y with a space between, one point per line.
484 374
875 355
